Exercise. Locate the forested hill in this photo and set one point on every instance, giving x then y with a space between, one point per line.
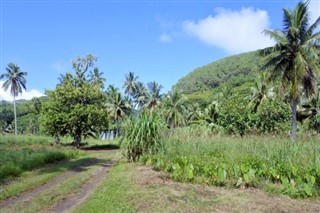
235 72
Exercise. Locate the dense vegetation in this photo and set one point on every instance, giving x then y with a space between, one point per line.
225 124
272 164
25 153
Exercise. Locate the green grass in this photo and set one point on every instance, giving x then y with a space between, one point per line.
130 187
113 196
56 193
265 162
25 153
32 179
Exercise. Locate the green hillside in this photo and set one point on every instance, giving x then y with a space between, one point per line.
235 72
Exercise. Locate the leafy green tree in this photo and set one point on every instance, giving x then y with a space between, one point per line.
295 57
174 110
234 115
75 106
75 111
16 81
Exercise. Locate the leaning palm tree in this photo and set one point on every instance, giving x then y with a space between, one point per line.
16 81
295 57
130 84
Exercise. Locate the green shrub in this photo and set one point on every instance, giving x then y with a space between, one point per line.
142 135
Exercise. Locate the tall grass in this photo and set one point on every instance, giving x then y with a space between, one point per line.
24 153
142 135
272 163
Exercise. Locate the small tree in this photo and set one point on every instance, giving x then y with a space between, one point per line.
75 107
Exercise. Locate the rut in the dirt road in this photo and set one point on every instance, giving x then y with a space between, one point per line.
74 199
28 195
70 200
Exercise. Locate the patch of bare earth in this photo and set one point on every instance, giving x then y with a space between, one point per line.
165 195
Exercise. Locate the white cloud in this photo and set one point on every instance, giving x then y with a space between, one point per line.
165 38
314 9
233 31
27 95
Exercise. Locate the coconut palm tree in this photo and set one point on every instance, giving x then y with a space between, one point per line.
260 93
174 110
130 84
141 95
153 95
118 107
16 81
95 77
295 56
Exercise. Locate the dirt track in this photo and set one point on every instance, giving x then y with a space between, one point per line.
68 201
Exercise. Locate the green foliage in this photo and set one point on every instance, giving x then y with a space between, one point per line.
230 72
75 108
273 117
142 135
17 155
248 162
235 115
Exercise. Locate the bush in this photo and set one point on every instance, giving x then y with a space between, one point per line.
142 135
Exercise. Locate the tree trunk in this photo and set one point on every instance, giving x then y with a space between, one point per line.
15 115
294 120
77 140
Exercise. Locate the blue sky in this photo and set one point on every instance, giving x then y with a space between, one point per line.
157 40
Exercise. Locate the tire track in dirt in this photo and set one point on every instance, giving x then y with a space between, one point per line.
24 197
74 199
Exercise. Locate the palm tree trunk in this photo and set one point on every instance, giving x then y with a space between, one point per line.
294 120
15 115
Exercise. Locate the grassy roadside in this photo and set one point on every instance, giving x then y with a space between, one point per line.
136 188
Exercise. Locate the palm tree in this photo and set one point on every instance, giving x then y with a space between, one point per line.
118 107
260 93
295 56
96 78
174 109
16 81
130 84
153 96
141 95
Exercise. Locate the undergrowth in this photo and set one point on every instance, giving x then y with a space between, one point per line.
254 161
